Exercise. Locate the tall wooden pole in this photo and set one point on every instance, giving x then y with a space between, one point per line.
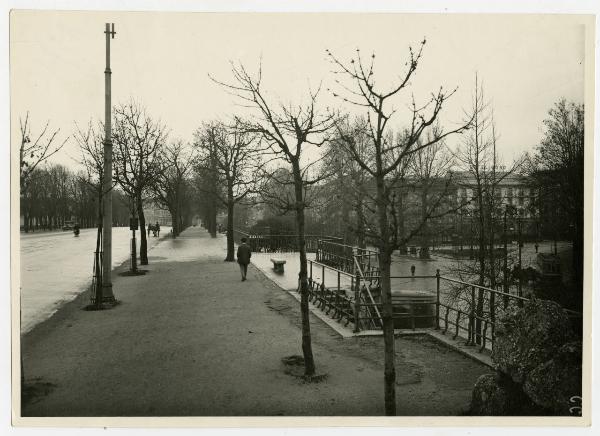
107 292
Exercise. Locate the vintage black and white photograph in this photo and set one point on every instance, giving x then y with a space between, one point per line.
301 214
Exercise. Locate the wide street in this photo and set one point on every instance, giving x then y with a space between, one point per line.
56 267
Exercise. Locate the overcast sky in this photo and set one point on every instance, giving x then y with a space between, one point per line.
526 63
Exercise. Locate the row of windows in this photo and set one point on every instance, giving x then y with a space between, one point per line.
503 192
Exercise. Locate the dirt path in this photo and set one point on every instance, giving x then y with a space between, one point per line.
189 338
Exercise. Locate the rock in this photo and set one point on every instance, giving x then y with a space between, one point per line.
552 384
530 337
497 395
489 398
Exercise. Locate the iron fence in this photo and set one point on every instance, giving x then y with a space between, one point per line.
344 257
267 243
466 310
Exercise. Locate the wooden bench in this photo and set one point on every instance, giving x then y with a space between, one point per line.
278 265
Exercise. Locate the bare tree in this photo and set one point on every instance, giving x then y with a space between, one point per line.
138 140
429 167
288 131
231 154
559 171
475 157
349 179
478 156
91 144
207 191
173 167
33 151
385 162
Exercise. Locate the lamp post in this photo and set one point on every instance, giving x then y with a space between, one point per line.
105 291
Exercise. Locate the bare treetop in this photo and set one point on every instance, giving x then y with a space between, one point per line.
289 127
36 151
231 154
365 93
91 144
138 139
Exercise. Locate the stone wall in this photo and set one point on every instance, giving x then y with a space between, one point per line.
538 365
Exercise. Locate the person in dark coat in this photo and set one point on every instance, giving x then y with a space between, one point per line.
243 257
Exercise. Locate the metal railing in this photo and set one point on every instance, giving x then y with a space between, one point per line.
267 243
344 257
467 310
355 303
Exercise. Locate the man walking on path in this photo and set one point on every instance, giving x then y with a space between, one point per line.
243 257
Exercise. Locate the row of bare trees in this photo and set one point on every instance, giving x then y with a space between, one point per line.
149 169
368 166
56 194
228 159
51 194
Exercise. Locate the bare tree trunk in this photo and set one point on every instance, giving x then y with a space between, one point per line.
345 222
309 363
143 240
360 224
481 256
386 300
211 224
425 240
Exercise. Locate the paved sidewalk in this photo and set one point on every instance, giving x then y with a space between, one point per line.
190 339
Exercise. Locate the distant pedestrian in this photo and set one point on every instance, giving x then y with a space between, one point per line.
536 247
149 228
157 228
412 270
243 258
